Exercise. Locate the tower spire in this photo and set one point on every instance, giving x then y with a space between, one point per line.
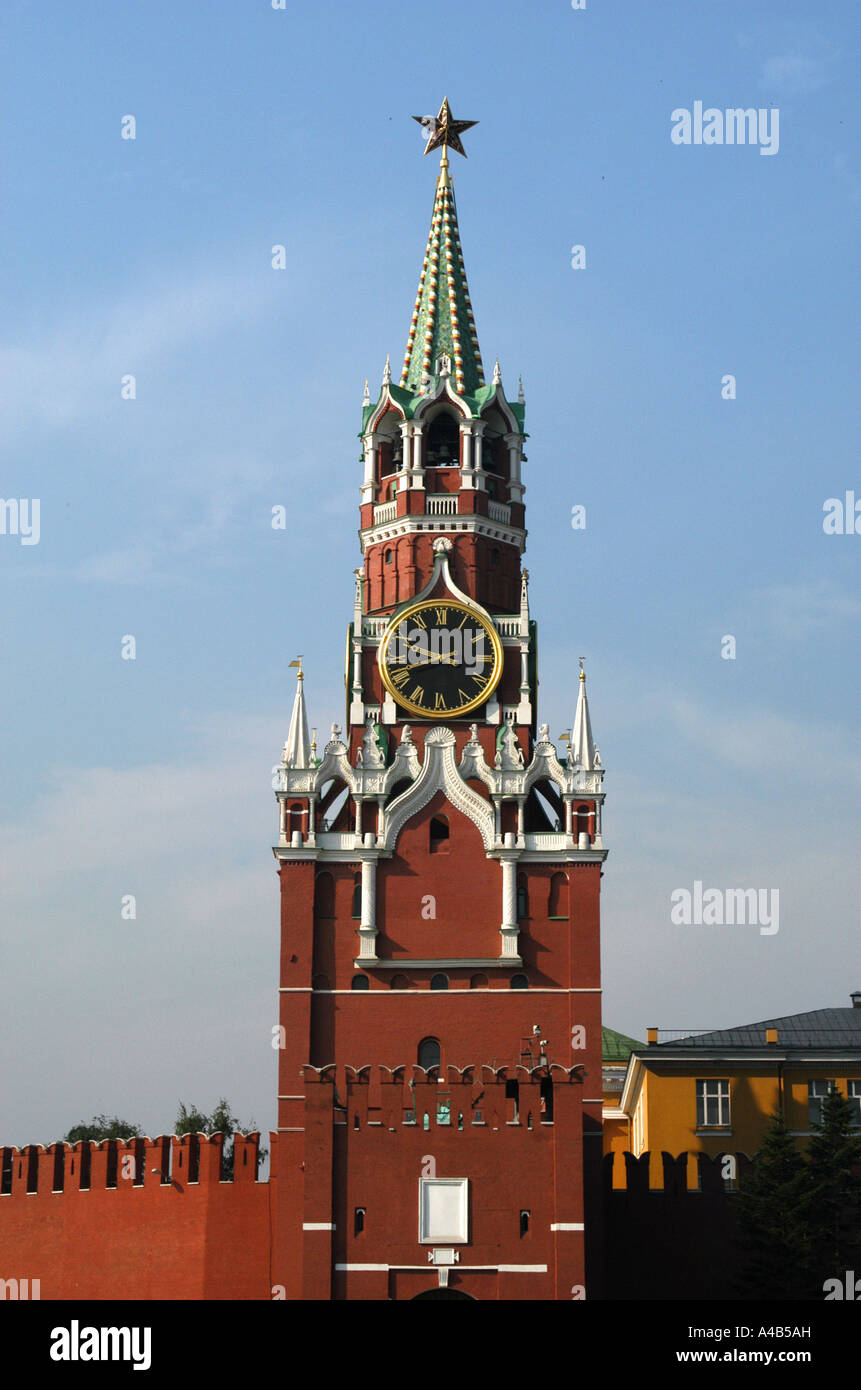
443 323
297 749
582 746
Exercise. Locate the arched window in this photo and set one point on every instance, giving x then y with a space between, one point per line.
557 899
388 557
443 443
494 556
429 1054
399 982
357 895
583 820
359 982
439 835
324 895
522 897
439 981
478 982
519 982
546 1101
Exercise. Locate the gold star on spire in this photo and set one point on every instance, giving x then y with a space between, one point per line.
445 131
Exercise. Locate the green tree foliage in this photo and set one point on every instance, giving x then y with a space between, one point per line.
834 1199
773 1211
799 1214
190 1120
103 1127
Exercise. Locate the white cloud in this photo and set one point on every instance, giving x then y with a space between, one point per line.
69 374
797 74
804 609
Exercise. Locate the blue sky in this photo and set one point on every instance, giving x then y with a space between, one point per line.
704 516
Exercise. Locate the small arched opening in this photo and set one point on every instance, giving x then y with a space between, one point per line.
443 442
557 898
439 835
429 1054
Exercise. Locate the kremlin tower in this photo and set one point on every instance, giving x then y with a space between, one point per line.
439 1095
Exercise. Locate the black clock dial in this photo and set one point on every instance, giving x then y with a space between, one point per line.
440 659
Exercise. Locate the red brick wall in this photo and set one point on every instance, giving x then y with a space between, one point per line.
178 1240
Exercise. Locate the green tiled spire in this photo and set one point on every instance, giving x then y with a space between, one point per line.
442 320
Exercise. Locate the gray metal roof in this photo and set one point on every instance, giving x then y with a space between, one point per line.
836 1028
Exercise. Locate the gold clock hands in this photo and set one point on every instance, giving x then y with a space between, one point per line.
430 660
426 660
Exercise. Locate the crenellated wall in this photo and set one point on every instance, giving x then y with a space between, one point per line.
155 1219
136 1219
670 1227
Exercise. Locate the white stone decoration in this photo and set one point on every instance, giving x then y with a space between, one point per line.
439 773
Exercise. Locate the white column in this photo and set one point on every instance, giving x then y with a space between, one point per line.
282 807
513 442
368 483
368 925
569 816
509 930
466 451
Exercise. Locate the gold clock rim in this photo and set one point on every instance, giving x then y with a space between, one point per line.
495 640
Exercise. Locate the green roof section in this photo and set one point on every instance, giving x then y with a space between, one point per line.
442 320
617 1047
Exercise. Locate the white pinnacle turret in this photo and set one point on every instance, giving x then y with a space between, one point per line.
582 747
297 749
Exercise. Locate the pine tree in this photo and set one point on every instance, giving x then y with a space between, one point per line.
772 1205
833 1204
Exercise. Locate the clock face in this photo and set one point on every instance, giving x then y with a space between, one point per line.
440 659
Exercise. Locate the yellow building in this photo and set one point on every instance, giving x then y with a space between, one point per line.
616 1049
713 1092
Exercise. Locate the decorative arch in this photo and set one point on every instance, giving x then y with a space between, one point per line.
439 773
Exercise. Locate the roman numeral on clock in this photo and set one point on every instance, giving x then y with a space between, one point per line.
417 695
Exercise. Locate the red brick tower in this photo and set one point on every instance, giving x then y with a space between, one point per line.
440 1078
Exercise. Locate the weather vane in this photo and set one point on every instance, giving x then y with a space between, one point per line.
443 130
